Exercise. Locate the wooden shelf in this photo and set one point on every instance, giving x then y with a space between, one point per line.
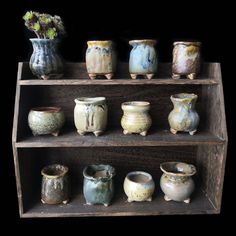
117 138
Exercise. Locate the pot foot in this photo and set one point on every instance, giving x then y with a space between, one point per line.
55 134
43 201
187 200
167 198
149 199
133 76
191 76
106 204
149 76
109 76
35 134
45 77
175 76
81 132
144 133
97 133
125 132
173 131
92 76
129 200
192 132
65 201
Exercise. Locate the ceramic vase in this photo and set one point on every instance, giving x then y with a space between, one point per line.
136 118
45 62
46 120
139 186
186 59
98 184
143 58
184 116
100 59
90 115
176 181
55 184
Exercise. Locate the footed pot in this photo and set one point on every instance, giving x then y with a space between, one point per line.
136 118
45 61
98 184
90 115
186 59
184 116
46 120
139 186
176 181
100 59
55 184
143 58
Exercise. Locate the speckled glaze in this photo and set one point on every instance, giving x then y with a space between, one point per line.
136 118
143 58
45 61
90 115
186 59
100 59
184 116
46 120
139 186
55 184
98 184
176 181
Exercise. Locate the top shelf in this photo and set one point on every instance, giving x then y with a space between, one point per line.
76 74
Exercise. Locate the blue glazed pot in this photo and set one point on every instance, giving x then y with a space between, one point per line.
143 58
45 61
98 184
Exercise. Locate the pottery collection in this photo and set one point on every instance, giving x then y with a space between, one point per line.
55 184
139 186
100 59
184 116
45 62
143 58
186 59
98 184
136 118
90 115
176 181
46 120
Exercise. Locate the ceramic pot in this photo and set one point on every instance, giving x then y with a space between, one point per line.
45 61
46 120
100 59
55 184
98 184
90 115
136 118
186 59
176 181
139 186
184 116
143 58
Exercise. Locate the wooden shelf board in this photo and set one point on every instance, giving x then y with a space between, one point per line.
116 138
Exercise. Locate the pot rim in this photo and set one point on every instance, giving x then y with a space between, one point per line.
184 97
39 39
136 173
188 43
63 169
173 164
90 100
147 41
46 109
100 42
136 103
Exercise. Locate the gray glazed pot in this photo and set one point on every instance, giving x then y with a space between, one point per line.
46 120
45 62
176 181
90 115
98 184
55 184
184 116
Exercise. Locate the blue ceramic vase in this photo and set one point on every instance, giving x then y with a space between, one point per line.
98 184
45 61
143 58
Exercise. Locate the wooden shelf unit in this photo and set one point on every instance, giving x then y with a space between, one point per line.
206 149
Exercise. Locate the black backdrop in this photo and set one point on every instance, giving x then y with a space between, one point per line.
119 21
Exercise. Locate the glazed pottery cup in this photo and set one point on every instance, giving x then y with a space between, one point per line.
143 58
45 61
90 115
98 184
46 120
100 59
139 186
136 118
55 184
184 116
186 59
176 181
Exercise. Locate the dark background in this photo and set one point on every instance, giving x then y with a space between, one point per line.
119 21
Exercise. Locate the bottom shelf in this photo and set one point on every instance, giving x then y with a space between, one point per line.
120 207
